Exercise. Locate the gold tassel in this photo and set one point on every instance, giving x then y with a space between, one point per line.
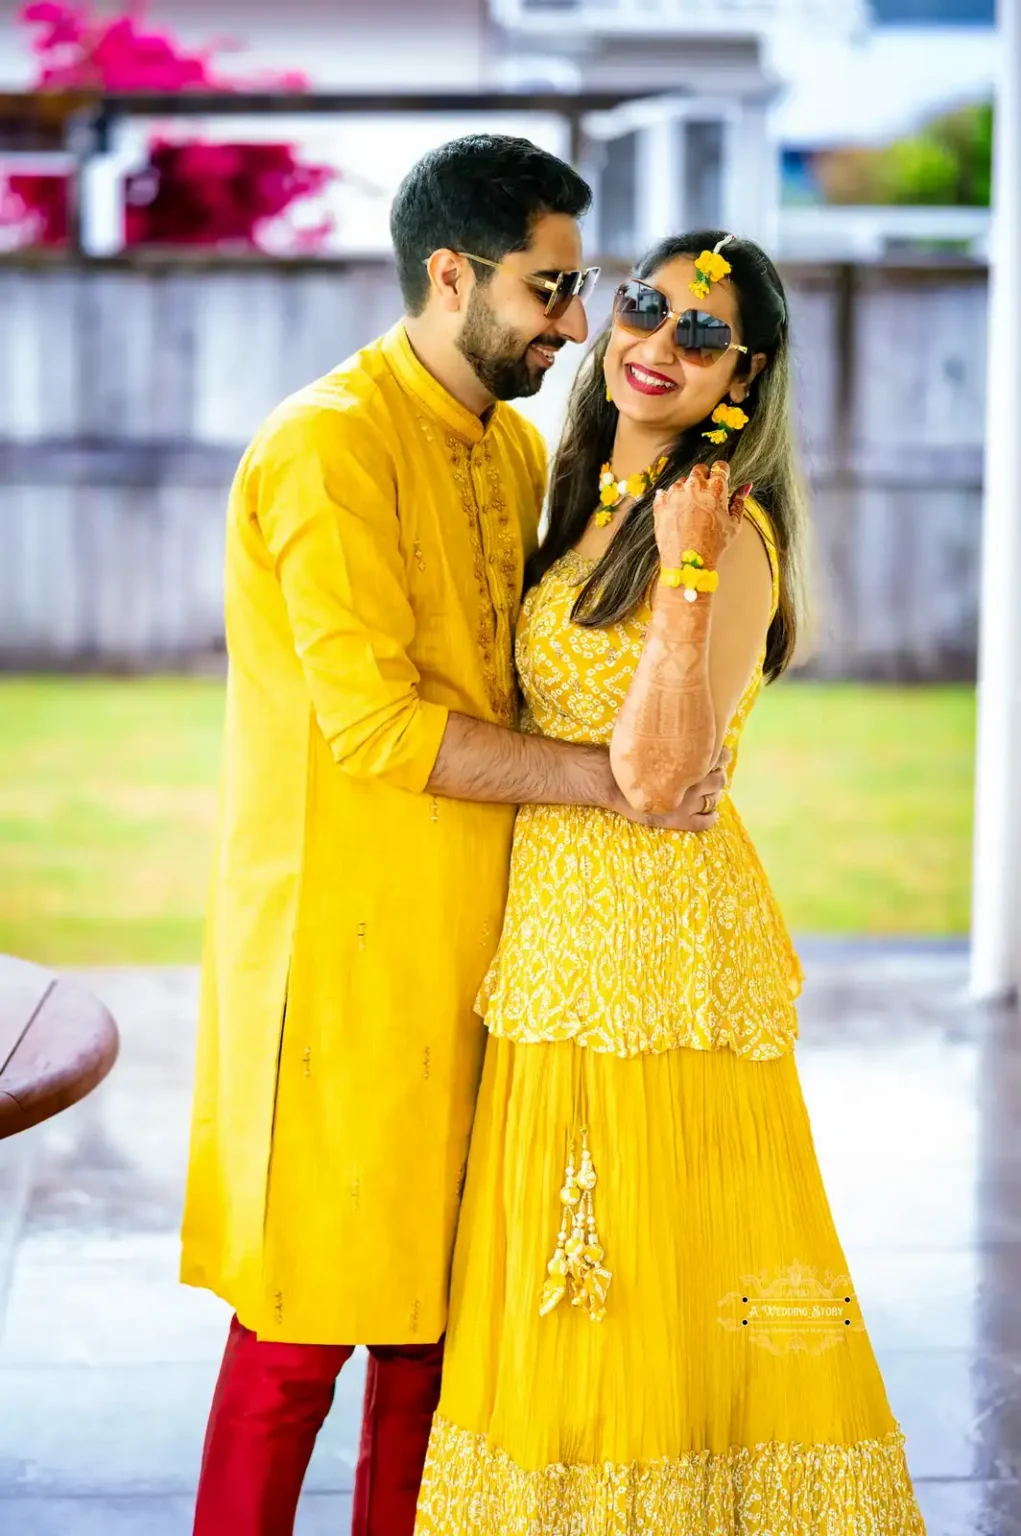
556 1285
577 1262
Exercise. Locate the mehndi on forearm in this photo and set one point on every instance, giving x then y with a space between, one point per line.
665 734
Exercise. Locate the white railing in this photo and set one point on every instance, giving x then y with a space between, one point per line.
868 234
692 16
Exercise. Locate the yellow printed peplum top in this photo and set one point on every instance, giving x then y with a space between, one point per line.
622 937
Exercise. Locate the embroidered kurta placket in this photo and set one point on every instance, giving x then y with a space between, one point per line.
497 574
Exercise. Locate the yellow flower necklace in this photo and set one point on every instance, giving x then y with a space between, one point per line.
613 491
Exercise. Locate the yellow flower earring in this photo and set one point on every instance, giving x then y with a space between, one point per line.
728 419
608 395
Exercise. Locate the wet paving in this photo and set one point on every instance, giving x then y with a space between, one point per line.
107 1364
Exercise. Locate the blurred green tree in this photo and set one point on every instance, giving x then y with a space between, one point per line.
947 163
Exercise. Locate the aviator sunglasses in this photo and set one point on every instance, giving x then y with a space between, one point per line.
559 288
701 339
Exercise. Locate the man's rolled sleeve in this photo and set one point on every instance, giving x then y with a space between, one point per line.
325 499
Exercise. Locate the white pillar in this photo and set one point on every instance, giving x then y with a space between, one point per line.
659 182
996 901
101 188
751 173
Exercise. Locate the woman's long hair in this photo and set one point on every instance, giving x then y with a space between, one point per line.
762 453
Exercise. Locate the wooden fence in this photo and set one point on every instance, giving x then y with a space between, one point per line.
127 395
891 400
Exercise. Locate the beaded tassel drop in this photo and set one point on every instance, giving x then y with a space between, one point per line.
577 1262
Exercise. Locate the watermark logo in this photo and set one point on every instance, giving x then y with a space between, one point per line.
793 1309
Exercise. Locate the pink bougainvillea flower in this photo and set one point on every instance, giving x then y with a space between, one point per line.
48 13
195 192
222 195
121 53
41 205
63 25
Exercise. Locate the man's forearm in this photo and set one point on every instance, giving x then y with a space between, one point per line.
480 761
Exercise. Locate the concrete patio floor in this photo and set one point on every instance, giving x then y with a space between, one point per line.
107 1364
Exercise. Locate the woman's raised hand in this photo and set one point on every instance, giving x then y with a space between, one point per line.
698 513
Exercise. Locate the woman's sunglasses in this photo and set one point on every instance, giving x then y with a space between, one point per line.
701 339
560 289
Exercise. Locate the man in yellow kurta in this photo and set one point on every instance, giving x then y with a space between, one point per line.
377 532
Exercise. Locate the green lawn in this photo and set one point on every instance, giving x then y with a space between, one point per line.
859 800
860 803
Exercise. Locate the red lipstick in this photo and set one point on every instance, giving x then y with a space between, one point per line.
651 382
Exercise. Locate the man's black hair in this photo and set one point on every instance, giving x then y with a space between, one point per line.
483 194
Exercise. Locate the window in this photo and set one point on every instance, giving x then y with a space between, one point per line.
703 174
934 13
617 208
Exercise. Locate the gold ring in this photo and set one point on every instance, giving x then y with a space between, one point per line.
707 804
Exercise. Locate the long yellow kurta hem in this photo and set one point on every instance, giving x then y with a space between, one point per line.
376 538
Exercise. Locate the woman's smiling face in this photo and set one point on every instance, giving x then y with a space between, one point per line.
647 376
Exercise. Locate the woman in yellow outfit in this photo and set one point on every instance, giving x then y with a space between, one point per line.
652 1328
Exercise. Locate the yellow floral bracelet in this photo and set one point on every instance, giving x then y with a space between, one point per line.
691 574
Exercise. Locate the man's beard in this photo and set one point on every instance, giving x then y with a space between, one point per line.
496 355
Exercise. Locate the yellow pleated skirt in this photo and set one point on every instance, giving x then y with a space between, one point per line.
730 1389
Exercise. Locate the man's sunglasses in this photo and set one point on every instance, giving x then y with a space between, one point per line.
560 289
701 339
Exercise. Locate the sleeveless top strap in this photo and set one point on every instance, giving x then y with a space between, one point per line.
763 523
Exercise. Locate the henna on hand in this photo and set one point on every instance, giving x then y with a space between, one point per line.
698 513
665 733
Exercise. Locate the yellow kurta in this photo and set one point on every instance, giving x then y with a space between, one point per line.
376 536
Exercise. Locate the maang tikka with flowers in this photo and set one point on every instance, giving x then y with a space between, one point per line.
710 268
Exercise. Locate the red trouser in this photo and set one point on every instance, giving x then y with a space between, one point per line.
269 1403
